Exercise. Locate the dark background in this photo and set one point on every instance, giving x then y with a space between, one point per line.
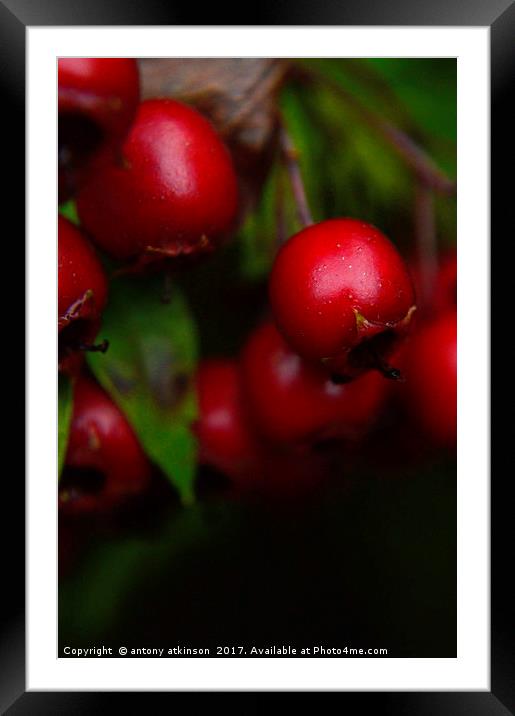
372 564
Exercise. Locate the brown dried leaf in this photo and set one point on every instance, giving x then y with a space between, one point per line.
239 96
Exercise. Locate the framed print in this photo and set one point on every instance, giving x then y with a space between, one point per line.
271 436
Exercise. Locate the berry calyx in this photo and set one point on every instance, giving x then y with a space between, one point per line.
173 192
82 293
97 101
429 361
227 440
341 294
293 401
104 463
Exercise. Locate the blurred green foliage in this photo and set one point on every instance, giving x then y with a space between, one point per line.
64 414
426 88
348 167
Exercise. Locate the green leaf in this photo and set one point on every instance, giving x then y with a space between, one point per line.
416 83
148 371
64 415
69 211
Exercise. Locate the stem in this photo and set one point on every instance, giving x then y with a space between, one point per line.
291 159
406 147
425 233
377 362
369 355
389 372
423 166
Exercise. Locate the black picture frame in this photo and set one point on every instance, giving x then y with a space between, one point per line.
499 15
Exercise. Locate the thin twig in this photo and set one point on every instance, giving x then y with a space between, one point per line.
424 167
406 147
291 160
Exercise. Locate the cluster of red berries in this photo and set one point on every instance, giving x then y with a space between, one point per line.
429 360
153 182
343 303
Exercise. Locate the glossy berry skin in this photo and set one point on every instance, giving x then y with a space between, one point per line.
97 101
227 440
173 193
102 445
334 286
429 363
82 289
293 401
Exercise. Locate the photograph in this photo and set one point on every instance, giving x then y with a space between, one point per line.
257 357
263 450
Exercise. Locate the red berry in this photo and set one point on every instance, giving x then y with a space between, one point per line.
429 363
226 439
173 193
98 98
444 297
294 401
82 290
104 461
341 294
